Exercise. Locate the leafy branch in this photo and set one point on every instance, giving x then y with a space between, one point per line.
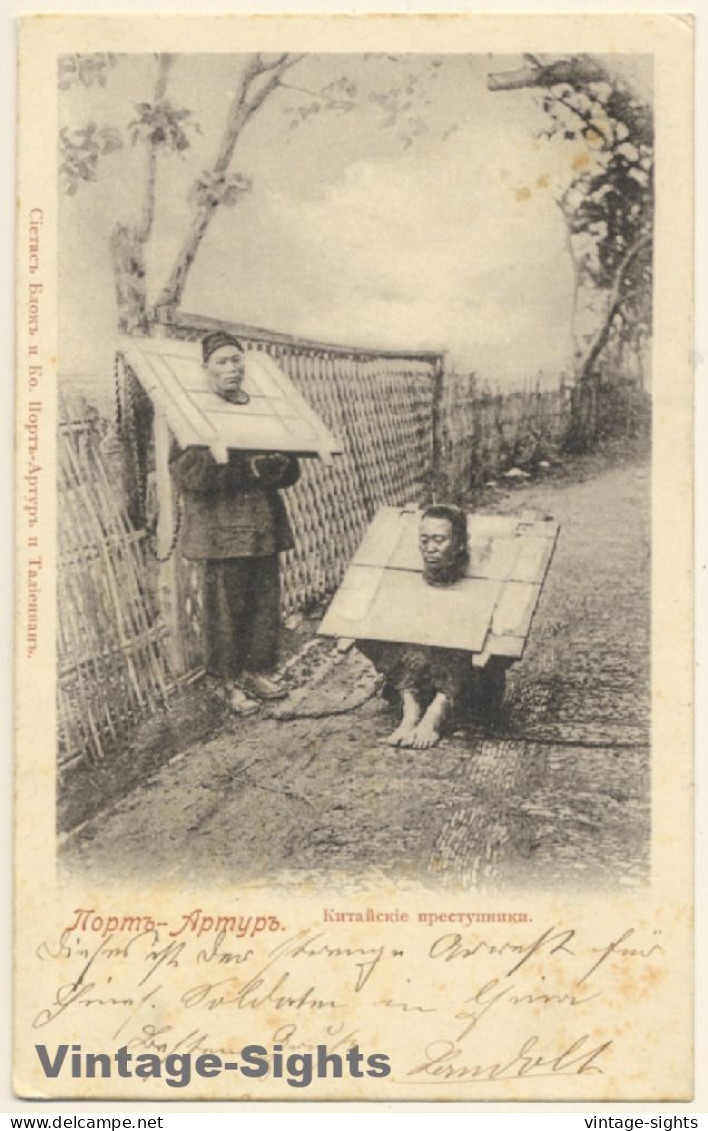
161 126
80 150
608 206
84 70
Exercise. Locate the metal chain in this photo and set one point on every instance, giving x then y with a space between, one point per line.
162 558
140 475
125 424
116 392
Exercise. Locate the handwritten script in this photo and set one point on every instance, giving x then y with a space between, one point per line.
506 1003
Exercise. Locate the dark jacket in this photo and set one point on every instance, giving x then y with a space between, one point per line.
229 510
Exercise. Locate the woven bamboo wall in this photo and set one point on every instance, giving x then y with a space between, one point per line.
112 666
382 409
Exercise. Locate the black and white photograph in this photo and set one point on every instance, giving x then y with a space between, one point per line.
354 437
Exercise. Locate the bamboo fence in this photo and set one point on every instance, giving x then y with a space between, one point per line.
112 666
484 432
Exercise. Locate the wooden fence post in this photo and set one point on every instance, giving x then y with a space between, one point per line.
438 480
168 576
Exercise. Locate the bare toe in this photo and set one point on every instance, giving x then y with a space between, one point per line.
423 740
396 737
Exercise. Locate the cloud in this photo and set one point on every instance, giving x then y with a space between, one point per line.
403 252
346 236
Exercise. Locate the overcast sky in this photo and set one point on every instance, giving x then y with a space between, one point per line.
455 242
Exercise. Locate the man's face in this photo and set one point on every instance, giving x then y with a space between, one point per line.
436 542
225 371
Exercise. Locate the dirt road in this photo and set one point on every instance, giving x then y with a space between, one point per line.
558 794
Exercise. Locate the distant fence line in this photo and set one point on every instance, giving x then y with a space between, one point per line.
410 432
483 432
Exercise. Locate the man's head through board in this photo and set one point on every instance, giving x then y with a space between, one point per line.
223 358
443 543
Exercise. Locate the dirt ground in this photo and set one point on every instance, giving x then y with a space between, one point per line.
557 794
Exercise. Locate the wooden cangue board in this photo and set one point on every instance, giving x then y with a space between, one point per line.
276 418
488 612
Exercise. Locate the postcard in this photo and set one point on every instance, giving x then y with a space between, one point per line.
354 558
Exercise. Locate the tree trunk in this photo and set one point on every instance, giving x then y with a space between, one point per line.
171 294
245 103
615 301
128 241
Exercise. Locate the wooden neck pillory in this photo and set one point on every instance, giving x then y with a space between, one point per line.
487 612
274 418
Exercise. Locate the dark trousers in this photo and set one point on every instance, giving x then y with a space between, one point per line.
241 615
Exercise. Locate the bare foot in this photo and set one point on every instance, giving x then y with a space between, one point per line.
424 736
403 735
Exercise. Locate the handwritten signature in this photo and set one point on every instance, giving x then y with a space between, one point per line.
444 1064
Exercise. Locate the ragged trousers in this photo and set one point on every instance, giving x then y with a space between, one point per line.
421 669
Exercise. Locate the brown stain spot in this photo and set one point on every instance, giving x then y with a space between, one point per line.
523 193
640 984
543 181
581 162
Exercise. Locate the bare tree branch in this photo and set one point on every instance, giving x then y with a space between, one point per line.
298 89
579 69
245 103
264 92
263 66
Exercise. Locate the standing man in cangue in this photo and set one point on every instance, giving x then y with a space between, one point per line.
235 522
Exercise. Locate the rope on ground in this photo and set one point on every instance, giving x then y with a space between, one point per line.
284 714
557 740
